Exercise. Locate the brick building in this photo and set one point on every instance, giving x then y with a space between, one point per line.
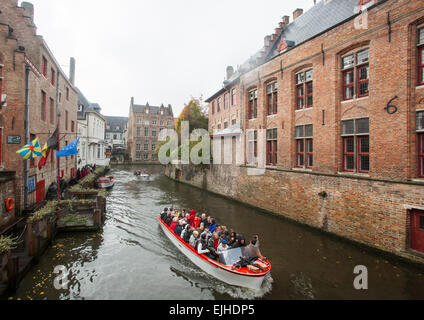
50 95
144 124
339 96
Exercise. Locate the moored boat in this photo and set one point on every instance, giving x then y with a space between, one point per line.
225 271
105 182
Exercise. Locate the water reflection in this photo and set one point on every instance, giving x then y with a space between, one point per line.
132 259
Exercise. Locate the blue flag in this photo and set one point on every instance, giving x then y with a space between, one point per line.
70 150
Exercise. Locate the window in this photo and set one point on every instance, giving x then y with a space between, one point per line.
138 156
252 139
162 122
219 126
154 122
213 107
146 122
420 56
146 145
146 132
67 93
234 97
253 104
304 146
60 97
138 132
146 157
226 100
53 79
66 120
1 135
356 145
304 89
52 111
44 66
138 121
219 104
169 123
225 125
1 81
43 106
72 126
272 98
356 75
153 132
271 147
153 146
138 146
420 131
233 122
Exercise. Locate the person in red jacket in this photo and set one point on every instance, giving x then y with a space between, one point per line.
174 224
192 217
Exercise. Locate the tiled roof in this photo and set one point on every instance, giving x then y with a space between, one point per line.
153 110
116 122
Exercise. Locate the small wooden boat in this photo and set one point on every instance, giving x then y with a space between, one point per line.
241 277
105 182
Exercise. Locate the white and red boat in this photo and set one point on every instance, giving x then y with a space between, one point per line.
105 182
242 277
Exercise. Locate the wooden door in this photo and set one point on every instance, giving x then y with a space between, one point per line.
40 191
417 230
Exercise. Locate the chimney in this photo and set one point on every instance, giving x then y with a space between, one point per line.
28 9
132 101
267 41
230 72
286 20
297 13
72 71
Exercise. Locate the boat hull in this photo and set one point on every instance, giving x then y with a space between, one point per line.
105 183
252 281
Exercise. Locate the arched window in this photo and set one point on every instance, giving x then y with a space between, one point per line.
355 73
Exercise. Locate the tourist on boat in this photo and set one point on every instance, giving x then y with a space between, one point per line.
202 247
208 221
218 229
233 237
204 219
196 222
163 214
223 246
186 234
168 219
190 220
179 228
239 242
174 223
213 245
225 235
194 237
212 225
207 233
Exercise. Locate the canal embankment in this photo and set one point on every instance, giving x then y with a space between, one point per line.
23 243
368 212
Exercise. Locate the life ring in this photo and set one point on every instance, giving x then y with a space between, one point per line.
9 204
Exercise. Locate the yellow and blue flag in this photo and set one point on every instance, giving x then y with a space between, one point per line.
31 151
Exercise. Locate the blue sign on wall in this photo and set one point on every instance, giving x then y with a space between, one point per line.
32 184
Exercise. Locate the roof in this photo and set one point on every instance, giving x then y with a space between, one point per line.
87 106
322 17
116 122
153 110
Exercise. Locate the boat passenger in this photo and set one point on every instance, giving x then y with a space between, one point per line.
194 237
163 214
179 228
187 234
192 217
196 222
213 245
239 242
218 229
168 219
174 223
225 236
184 213
202 247
204 219
212 225
223 246
233 236
207 232
208 221
252 250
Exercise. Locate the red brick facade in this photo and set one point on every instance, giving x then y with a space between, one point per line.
358 135
21 47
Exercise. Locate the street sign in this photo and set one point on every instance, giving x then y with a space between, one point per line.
13 139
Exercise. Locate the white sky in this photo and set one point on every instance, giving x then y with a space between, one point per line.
158 51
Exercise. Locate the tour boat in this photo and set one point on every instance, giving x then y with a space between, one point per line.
105 182
144 176
237 277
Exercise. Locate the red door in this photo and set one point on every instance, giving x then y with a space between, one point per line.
41 188
417 230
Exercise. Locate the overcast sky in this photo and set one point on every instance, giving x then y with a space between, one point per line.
157 51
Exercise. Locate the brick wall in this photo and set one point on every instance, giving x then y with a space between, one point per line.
371 212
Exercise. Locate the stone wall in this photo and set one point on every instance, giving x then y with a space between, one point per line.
369 211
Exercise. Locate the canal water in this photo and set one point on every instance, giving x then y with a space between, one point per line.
132 259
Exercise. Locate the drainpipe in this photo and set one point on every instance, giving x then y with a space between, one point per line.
26 126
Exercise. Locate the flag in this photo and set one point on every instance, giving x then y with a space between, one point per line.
52 143
31 151
45 152
70 150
